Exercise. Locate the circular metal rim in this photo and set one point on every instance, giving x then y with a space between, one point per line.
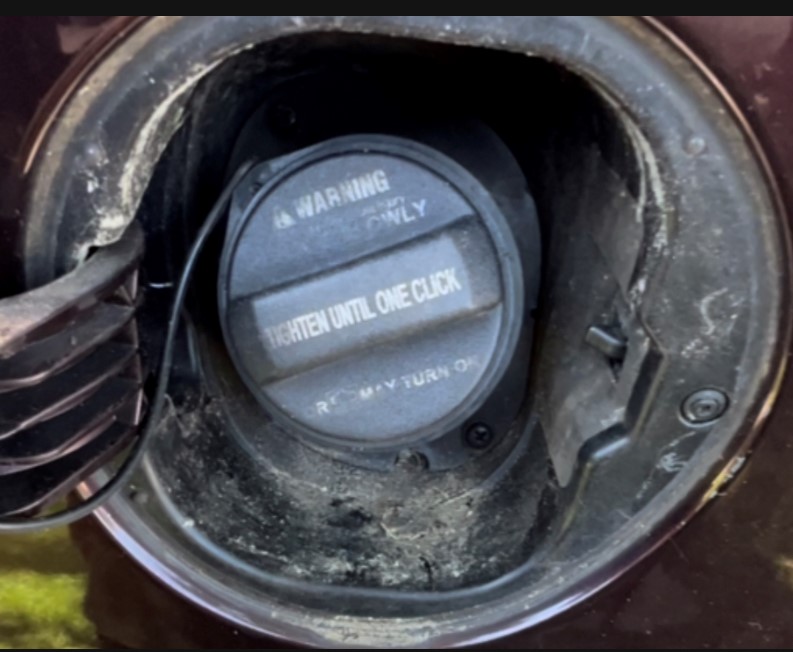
693 493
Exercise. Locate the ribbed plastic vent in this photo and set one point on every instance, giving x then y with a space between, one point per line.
70 377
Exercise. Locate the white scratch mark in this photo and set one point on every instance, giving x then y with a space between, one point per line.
704 309
671 463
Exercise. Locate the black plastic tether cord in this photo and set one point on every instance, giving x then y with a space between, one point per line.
151 421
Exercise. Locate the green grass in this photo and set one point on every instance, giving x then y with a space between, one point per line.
42 586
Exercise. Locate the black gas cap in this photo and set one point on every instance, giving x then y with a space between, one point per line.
371 291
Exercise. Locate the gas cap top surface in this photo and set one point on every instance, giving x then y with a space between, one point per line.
370 291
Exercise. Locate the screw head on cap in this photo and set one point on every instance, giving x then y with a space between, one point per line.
479 436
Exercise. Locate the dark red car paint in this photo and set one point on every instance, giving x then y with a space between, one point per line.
726 581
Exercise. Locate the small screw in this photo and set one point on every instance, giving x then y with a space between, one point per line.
479 436
705 405
412 461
